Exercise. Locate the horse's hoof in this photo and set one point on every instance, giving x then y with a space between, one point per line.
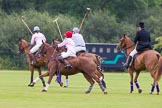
87 92
44 85
61 84
158 93
150 92
44 90
131 91
65 86
31 85
105 92
139 90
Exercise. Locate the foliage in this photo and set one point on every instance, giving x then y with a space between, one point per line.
106 23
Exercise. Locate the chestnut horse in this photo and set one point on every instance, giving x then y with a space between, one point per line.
89 70
24 47
146 60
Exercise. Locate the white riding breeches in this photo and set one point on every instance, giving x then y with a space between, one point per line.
35 48
79 48
67 54
133 53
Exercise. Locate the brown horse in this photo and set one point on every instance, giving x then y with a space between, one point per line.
146 60
89 70
24 47
96 58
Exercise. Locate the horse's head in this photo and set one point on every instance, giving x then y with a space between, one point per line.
43 49
55 43
22 46
125 42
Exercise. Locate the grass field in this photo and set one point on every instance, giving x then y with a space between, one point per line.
14 92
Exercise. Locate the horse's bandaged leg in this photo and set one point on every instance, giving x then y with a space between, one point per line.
66 82
58 79
37 79
153 87
47 85
131 86
101 78
89 89
137 85
157 88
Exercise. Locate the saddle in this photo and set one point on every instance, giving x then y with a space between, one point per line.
78 53
136 55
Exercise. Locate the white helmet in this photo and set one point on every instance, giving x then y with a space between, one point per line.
76 30
36 28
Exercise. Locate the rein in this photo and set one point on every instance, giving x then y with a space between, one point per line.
129 46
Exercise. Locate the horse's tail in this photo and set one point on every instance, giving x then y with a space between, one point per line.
99 60
159 71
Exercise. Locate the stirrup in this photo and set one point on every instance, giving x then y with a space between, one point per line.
33 63
126 65
68 66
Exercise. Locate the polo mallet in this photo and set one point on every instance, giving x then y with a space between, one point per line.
85 16
22 19
58 27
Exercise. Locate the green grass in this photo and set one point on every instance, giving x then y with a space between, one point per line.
14 92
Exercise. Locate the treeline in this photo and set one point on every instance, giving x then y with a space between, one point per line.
107 21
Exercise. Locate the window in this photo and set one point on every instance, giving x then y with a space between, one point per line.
93 49
108 50
115 50
100 50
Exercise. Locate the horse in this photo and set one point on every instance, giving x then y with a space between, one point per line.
146 60
89 70
96 58
24 47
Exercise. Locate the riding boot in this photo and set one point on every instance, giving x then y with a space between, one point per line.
32 59
129 59
67 65
65 62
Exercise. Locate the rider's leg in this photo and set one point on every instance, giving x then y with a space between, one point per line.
31 54
65 62
32 59
129 58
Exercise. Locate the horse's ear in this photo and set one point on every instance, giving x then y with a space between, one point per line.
19 39
42 41
124 35
53 40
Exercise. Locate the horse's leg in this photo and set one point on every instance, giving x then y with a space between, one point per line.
101 76
156 85
31 75
98 80
157 89
90 80
40 77
131 79
136 82
51 74
40 73
66 82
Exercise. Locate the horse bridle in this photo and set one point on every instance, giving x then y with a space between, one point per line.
22 48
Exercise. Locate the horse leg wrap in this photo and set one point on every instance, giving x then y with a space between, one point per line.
102 87
131 86
90 88
47 85
66 83
137 85
42 80
157 88
58 79
152 89
37 79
